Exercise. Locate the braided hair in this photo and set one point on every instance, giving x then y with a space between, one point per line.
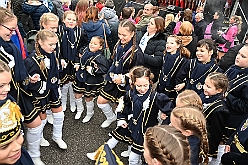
168 145
42 36
190 97
130 27
191 118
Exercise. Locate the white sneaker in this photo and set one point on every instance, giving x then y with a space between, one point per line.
107 122
91 156
60 143
44 142
78 115
87 118
50 119
73 107
37 161
125 153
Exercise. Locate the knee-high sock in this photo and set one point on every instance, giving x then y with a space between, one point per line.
134 159
58 124
64 91
112 142
43 123
107 110
72 97
90 108
33 140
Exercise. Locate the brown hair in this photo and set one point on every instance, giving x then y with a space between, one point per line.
190 118
126 13
130 27
188 15
167 145
69 12
42 35
190 97
138 72
46 17
91 14
4 67
101 40
159 22
80 10
183 51
186 28
6 15
219 80
155 9
209 44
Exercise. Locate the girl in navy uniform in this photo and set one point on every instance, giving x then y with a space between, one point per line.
43 63
216 113
191 122
236 151
143 104
71 39
89 77
237 98
10 54
194 72
174 56
126 55
11 135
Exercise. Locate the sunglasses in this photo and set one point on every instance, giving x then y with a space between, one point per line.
11 30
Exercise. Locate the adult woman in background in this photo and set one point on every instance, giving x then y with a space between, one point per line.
229 35
152 45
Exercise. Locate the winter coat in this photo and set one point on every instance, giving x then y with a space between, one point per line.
58 10
36 11
95 29
153 53
109 15
229 36
145 19
17 8
229 58
200 28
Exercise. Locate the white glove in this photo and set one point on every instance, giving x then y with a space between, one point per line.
60 95
120 106
120 122
47 62
43 87
63 63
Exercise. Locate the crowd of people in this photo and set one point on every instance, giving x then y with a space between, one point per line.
178 85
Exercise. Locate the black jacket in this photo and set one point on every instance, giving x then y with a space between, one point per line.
199 29
153 54
229 58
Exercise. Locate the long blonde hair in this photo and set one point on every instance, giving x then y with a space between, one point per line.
42 35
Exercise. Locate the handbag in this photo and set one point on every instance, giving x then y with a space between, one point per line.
106 50
220 40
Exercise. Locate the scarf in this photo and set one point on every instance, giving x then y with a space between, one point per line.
53 73
69 42
120 56
210 99
87 57
234 71
137 112
20 72
169 63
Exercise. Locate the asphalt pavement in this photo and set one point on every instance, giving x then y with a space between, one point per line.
81 138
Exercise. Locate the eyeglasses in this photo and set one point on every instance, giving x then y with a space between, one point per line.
11 30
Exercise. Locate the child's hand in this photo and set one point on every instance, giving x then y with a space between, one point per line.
227 148
124 125
34 78
76 66
163 116
117 80
179 86
80 55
